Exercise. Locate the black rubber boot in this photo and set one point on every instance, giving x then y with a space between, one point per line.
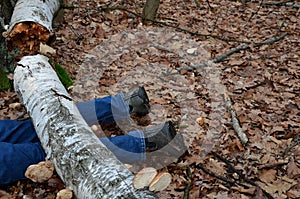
159 136
138 101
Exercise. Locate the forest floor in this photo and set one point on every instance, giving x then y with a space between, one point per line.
106 49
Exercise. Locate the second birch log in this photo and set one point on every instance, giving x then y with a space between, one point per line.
31 24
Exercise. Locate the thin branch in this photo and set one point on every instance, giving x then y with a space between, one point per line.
235 122
241 90
229 53
225 55
285 3
203 168
222 178
270 41
187 188
254 13
270 166
295 143
232 168
103 9
245 47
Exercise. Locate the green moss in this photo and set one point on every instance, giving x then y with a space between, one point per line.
4 82
63 76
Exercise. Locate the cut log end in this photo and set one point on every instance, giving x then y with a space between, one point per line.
144 177
27 36
160 182
148 178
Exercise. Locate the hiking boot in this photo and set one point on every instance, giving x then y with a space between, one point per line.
138 101
159 136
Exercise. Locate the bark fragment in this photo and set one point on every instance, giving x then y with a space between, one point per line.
40 172
64 194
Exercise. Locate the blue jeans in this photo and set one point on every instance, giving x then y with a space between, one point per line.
20 147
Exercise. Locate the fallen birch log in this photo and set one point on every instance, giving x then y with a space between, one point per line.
85 165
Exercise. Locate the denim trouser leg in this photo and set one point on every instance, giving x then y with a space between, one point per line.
127 148
14 131
104 110
15 158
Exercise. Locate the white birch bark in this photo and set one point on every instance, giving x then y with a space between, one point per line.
39 11
85 165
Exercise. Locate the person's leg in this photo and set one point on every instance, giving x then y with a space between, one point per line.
100 110
14 131
104 110
15 158
128 148
115 108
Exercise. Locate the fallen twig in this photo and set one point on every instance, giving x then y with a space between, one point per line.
232 168
285 3
295 143
269 166
235 122
188 185
254 13
270 41
203 168
241 90
104 9
229 182
225 55
230 52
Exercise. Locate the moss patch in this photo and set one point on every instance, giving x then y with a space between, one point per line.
63 75
4 82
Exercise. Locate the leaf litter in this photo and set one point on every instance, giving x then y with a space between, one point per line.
263 83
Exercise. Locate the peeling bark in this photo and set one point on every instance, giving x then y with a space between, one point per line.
85 165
